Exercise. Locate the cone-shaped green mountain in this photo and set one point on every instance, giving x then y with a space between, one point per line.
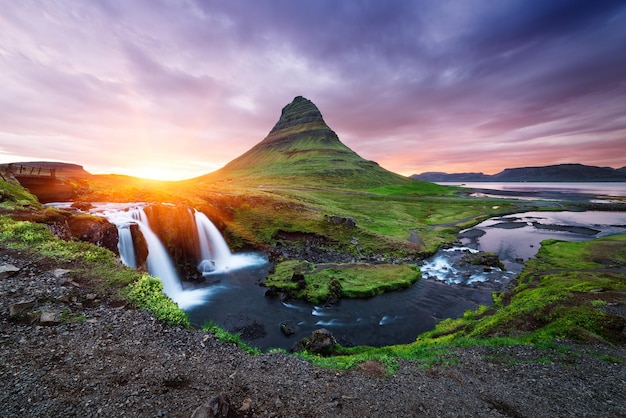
301 150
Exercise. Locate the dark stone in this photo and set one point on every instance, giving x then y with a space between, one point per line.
349 222
216 407
321 342
96 230
288 328
19 307
8 270
483 259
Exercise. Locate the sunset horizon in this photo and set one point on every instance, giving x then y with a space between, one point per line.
176 90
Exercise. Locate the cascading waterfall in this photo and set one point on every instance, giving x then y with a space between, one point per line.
214 251
158 262
125 246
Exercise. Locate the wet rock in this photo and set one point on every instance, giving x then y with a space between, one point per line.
96 230
8 270
488 259
321 342
216 407
288 328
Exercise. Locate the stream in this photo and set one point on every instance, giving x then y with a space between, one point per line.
231 295
448 288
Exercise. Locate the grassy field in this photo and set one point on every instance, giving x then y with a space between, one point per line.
567 293
321 283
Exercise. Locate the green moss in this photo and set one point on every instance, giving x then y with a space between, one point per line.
228 337
15 197
303 280
147 293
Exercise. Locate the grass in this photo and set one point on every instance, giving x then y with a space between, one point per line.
561 295
229 337
15 197
316 284
92 266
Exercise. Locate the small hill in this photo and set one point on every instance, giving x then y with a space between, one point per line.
301 150
550 173
45 168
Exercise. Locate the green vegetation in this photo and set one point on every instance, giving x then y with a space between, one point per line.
562 294
15 197
147 293
228 337
323 282
90 265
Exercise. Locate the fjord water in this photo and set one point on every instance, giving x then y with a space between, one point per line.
589 188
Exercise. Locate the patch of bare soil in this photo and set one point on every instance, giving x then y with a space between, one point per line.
66 350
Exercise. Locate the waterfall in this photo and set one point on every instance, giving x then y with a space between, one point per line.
158 262
125 246
214 251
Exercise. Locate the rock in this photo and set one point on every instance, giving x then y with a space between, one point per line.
246 406
288 328
217 407
19 307
8 270
335 290
58 273
349 221
49 318
321 341
484 259
96 230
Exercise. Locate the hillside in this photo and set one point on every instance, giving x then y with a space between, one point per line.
301 150
551 173
44 168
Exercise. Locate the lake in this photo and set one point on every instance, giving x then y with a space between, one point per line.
585 188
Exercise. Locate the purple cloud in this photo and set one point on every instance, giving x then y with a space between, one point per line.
418 86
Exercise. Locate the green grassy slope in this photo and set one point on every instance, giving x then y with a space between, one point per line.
302 151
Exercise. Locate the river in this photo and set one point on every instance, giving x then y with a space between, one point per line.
449 286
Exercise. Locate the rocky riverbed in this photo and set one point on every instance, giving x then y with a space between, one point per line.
70 350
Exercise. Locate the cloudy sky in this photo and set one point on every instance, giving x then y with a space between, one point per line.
178 88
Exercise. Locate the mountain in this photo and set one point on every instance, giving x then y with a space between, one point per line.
551 173
301 150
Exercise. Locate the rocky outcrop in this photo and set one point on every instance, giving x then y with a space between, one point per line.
321 342
349 221
94 229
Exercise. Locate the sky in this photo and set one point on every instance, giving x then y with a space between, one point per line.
173 89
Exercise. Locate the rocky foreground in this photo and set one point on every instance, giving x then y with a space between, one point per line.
69 350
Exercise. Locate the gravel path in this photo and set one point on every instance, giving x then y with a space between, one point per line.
111 361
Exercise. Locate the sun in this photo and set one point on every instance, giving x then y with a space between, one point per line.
157 173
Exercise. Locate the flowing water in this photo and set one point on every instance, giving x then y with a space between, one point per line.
233 298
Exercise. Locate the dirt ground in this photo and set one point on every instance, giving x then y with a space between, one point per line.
66 350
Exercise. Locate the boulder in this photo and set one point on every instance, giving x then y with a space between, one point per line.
321 342
8 270
216 407
288 328
96 230
19 307
349 221
49 318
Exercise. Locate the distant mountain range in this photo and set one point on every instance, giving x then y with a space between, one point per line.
550 173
